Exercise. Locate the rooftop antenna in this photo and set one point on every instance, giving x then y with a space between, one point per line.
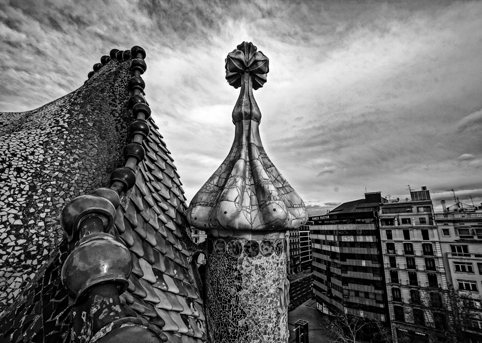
472 200
366 190
410 190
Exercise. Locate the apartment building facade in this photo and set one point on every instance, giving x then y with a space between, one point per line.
416 281
348 271
294 252
460 231
306 255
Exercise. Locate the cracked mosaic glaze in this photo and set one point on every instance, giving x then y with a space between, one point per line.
161 294
233 281
48 156
247 192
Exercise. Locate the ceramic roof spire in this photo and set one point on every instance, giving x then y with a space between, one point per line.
246 207
247 192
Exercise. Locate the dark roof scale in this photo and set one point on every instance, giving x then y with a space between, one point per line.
162 292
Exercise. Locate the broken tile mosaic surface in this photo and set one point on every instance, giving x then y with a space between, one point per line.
247 291
68 148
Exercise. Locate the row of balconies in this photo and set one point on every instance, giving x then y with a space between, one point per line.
464 255
448 216
416 267
414 301
414 283
412 253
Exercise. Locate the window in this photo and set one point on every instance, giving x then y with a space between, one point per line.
475 324
394 276
406 221
471 303
418 317
389 234
390 248
413 280
432 280
435 299
424 209
399 313
427 249
410 263
460 250
479 265
357 294
446 232
464 267
430 263
408 247
440 321
388 222
367 295
422 221
415 296
467 285
464 232
396 295
425 235
393 261
406 235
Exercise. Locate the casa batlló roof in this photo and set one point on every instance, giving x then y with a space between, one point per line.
63 153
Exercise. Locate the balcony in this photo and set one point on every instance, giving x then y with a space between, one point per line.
415 301
452 216
433 269
395 281
460 254
396 299
405 266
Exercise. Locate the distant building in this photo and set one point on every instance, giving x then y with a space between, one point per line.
460 232
299 265
305 248
415 273
294 252
348 268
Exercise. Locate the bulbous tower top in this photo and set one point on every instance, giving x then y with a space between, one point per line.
246 193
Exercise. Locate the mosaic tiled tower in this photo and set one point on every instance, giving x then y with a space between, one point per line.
246 207
123 270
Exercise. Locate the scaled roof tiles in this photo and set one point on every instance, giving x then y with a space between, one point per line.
69 147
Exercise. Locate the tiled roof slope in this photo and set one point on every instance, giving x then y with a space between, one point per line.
150 221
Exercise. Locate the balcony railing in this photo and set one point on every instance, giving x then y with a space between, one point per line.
434 269
416 301
442 216
460 254
405 266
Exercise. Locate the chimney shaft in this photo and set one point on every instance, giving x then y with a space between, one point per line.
443 206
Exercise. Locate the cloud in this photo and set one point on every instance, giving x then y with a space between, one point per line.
359 94
326 170
472 122
466 157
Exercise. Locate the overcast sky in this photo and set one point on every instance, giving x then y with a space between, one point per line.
361 95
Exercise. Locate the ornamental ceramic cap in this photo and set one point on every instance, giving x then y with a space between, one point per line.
247 192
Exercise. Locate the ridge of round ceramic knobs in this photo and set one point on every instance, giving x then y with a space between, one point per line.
99 264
